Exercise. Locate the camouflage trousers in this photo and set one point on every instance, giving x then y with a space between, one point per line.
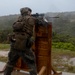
27 56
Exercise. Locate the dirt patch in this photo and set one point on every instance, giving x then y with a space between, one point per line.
4 53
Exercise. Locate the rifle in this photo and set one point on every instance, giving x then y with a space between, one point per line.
38 15
40 19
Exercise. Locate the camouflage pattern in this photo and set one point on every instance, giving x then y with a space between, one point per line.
20 46
21 35
28 24
27 56
25 10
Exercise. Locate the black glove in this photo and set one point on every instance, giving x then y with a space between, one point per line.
30 42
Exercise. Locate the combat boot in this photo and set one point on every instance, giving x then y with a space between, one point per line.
8 70
33 72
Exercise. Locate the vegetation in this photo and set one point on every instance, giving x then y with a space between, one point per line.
3 59
61 45
63 27
63 41
61 60
58 59
4 46
4 35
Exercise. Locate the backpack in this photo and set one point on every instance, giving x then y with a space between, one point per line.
18 25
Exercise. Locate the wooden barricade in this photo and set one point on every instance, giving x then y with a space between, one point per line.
42 50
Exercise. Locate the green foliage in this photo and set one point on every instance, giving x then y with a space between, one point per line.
4 46
63 41
4 35
71 69
60 37
62 45
72 40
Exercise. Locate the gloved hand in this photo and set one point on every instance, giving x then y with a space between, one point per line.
11 37
30 42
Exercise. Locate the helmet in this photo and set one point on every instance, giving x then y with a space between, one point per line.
25 10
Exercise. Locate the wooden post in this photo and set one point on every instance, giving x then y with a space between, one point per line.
42 71
49 45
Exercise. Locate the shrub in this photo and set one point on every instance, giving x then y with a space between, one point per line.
62 45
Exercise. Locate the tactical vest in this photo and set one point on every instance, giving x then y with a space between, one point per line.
23 25
23 30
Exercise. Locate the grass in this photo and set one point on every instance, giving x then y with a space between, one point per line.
3 59
57 55
62 52
57 60
4 46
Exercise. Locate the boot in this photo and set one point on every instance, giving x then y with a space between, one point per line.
33 72
8 70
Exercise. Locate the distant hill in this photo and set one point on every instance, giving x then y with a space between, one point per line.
65 24
7 21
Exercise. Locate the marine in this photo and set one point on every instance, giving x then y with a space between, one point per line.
21 42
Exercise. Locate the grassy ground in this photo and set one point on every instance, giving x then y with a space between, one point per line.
60 59
3 59
4 46
61 52
57 56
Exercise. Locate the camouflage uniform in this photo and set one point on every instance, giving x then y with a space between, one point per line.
25 53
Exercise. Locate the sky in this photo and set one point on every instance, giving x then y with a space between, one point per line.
9 7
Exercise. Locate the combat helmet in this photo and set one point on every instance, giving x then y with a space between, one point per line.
25 10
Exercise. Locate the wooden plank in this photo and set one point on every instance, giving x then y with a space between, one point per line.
49 46
42 61
43 52
57 74
42 71
18 64
41 39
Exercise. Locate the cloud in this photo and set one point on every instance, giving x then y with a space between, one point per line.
40 6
